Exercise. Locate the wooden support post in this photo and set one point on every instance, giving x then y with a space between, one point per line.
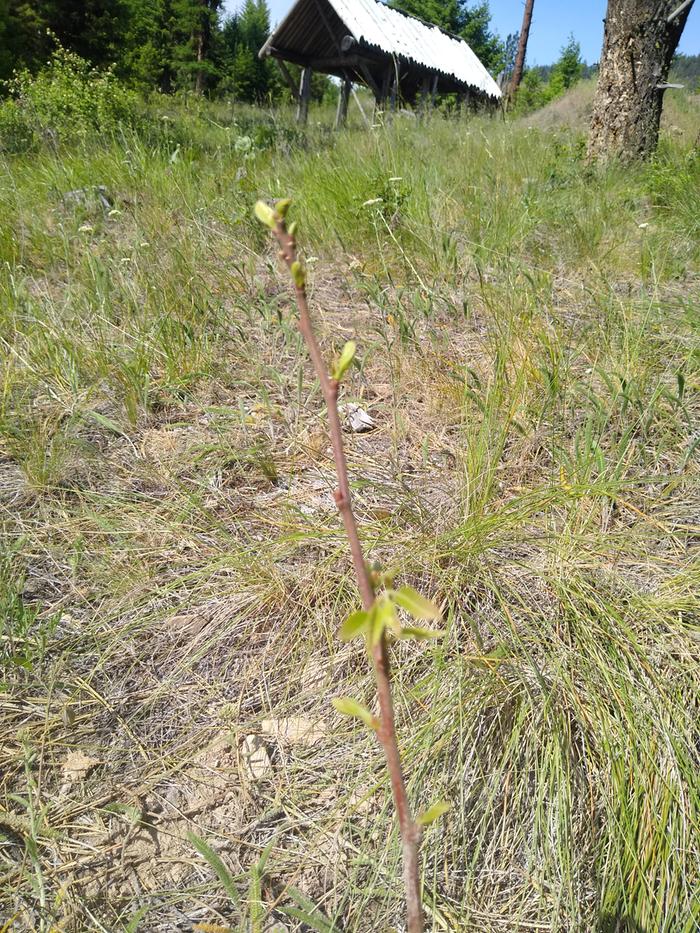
424 92
361 108
304 96
289 79
433 91
386 84
394 94
341 115
371 83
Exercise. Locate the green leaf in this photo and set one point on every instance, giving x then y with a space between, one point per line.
129 810
415 604
349 707
680 379
344 360
215 862
135 920
265 214
256 908
487 662
308 913
104 422
419 633
433 813
354 625
292 228
384 617
265 854
283 206
298 274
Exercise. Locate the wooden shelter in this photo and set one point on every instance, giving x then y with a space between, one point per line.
397 56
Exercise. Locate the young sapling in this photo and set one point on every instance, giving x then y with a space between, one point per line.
378 620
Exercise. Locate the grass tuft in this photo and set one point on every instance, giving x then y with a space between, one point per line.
173 573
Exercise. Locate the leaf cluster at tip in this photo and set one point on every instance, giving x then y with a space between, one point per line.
271 215
382 616
265 214
344 361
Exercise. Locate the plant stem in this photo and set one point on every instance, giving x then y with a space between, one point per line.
386 733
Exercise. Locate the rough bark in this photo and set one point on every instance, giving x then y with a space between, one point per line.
638 46
522 49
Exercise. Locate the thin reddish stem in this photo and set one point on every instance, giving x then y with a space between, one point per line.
386 733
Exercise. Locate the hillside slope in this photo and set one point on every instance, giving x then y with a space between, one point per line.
681 113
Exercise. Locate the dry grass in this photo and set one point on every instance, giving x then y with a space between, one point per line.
173 570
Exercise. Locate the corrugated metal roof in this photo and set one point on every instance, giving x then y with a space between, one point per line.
374 24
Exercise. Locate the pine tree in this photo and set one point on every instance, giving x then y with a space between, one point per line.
148 55
250 79
640 39
24 39
6 57
486 45
195 25
521 53
94 29
568 68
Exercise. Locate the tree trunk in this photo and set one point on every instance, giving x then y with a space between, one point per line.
202 39
639 41
522 49
200 77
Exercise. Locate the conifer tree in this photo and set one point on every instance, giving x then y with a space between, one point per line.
148 55
94 29
568 69
196 23
250 78
444 13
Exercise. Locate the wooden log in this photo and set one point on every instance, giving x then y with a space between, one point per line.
341 116
304 96
394 93
289 79
386 83
361 108
433 90
371 83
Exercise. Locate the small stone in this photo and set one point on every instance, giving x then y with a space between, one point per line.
86 197
76 768
77 765
296 729
356 419
256 758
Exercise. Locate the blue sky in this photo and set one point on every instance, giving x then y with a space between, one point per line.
552 22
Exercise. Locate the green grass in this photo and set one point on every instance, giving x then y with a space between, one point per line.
173 572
